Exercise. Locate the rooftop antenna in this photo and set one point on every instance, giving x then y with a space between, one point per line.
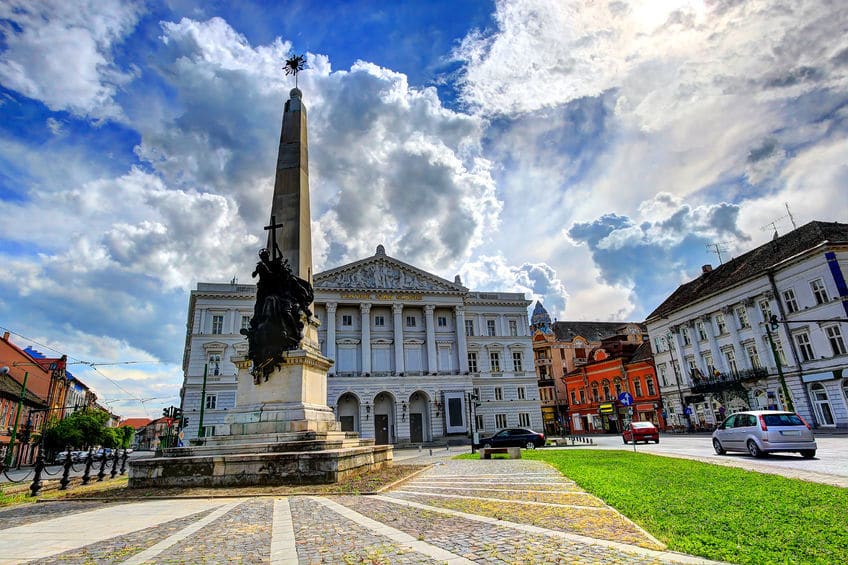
773 225
717 248
791 218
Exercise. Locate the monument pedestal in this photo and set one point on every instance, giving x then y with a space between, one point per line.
280 432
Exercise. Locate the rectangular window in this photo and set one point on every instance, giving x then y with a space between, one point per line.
693 368
495 360
208 431
804 346
442 321
582 396
347 320
834 336
637 388
516 362
379 321
490 324
472 361
245 322
720 324
410 321
765 309
686 339
479 418
217 324
708 363
522 394
702 331
524 419
789 299
730 356
742 316
211 401
753 356
513 328
650 383
214 364
819 291
573 397
780 354
498 393
500 421
469 328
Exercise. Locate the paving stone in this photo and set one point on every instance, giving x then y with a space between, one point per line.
31 513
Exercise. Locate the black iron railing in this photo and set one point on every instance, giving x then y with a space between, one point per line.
719 382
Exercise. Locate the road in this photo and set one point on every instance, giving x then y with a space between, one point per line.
830 464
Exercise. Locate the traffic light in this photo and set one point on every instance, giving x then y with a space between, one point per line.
177 413
773 322
166 412
185 422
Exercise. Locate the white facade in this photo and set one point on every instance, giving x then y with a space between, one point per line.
717 345
409 350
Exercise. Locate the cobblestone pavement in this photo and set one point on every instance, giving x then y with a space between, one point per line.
457 512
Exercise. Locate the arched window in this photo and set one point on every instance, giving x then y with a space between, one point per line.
595 396
617 385
821 404
606 390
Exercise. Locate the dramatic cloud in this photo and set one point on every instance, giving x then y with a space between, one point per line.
60 52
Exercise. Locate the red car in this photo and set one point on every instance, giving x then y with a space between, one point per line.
640 431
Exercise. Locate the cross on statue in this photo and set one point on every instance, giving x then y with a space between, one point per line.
275 250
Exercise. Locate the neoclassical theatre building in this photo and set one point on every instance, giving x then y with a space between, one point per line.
412 351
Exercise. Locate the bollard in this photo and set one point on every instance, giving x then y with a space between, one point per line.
63 483
114 466
35 487
419 448
89 459
102 472
431 452
124 462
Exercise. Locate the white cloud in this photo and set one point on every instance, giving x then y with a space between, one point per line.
60 52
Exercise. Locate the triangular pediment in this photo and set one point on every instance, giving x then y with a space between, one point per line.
382 272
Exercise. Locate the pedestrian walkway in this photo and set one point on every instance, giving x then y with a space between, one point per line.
457 512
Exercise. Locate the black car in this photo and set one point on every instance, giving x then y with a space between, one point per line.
514 437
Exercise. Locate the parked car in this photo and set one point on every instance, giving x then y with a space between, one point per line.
640 431
514 437
760 432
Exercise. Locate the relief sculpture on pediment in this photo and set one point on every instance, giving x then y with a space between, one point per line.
378 277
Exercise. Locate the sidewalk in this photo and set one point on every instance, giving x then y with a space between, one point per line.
457 512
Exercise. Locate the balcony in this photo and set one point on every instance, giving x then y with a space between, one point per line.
721 382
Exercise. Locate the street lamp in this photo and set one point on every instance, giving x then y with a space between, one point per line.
668 337
772 324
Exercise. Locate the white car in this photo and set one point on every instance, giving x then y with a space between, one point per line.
760 432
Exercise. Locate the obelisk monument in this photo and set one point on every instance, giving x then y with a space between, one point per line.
288 391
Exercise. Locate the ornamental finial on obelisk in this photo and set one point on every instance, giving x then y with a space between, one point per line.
294 65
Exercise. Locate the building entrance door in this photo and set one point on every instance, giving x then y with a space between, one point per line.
416 428
381 429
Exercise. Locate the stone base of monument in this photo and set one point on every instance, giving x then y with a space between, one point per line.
280 432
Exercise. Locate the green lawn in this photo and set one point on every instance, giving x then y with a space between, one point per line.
716 512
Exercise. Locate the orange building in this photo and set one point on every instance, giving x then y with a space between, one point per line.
595 390
559 348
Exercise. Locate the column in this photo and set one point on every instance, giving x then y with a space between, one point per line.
482 329
461 346
677 344
525 325
331 334
432 362
365 315
767 356
200 325
502 325
397 311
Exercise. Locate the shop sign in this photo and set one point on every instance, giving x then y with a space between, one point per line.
606 408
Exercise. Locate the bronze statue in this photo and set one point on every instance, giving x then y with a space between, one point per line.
280 314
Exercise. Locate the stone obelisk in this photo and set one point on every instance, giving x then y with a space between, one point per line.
292 397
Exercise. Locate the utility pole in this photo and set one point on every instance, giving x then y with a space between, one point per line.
677 380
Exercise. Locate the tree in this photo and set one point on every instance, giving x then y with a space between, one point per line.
83 429
126 434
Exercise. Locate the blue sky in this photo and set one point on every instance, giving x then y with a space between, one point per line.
582 153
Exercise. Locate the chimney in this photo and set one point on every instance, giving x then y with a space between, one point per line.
706 269
5 336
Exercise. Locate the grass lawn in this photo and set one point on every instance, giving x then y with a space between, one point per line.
712 511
